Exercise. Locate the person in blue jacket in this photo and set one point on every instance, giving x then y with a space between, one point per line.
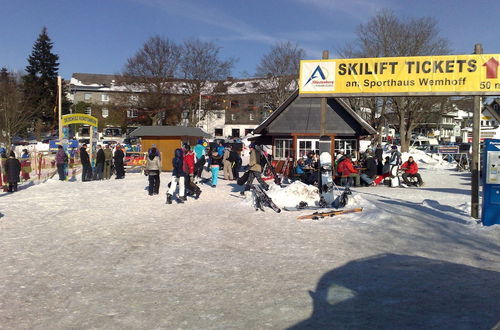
220 149
199 150
178 175
199 154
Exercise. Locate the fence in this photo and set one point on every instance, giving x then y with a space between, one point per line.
39 166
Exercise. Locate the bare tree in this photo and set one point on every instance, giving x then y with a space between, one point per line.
386 35
201 65
148 76
16 114
281 68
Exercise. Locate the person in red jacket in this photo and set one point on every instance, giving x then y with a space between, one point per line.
346 168
189 162
411 171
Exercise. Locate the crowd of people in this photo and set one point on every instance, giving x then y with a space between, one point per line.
107 162
189 164
371 169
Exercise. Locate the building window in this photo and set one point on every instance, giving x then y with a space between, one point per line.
348 146
235 132
88 111
87 97
251 116
218 132
282 148
219 114
132 113
307 145
235 104
105 98
105 113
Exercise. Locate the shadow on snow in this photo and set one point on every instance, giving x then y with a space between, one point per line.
392 291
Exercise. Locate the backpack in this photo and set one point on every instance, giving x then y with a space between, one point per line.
232 156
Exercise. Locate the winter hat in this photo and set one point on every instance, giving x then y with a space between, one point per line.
394 147
252 145
200 141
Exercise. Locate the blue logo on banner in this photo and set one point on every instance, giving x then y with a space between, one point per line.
314 76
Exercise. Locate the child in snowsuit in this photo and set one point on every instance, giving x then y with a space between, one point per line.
215 164
178 175
25 165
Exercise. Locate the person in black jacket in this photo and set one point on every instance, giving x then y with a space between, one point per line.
86 167
370 174
118 160
99 163
12 169
235 158
179 175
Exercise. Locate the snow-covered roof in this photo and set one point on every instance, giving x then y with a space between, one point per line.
113 83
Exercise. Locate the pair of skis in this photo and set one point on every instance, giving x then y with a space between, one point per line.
320 215
261 199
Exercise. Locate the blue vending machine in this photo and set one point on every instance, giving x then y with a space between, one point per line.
491 183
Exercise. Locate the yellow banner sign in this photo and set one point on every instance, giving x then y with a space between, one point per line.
393 76
79 118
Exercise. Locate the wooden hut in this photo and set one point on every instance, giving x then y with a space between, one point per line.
167 139
293 129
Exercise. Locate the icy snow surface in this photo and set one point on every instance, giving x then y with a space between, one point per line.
105 255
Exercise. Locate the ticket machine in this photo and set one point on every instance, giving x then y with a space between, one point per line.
491 183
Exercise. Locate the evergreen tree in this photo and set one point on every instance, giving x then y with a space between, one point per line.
41 79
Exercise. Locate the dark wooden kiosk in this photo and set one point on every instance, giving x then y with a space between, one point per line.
294 128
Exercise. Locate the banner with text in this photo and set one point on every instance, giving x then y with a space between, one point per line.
392 76
79 118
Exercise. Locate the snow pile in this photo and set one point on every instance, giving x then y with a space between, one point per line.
292 195
371 212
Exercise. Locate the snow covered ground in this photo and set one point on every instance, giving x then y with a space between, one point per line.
105 255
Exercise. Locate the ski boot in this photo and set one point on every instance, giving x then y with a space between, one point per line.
169 199
181 199
197 195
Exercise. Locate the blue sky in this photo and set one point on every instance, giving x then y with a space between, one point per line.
97 36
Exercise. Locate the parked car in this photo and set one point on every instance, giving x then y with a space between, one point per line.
424 143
